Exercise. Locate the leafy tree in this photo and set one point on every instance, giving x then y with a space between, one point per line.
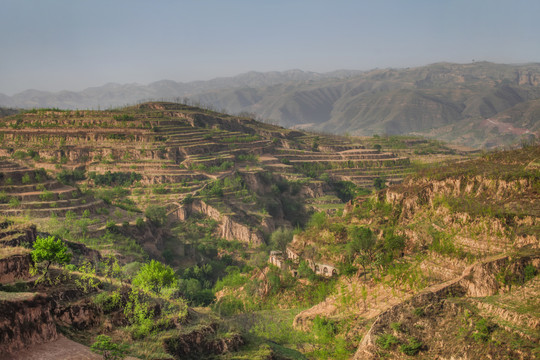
157 215
108 349
280 238
50 250
87 281
304 271
193 291
379 183
154 276
318 220
361 245
394 243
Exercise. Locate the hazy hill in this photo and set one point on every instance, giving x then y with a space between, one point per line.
439 100
446 101
113 95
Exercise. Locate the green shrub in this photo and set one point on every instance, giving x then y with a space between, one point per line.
324 329
46 195
111 227
412 348
387 341
188 199
154 276
115 179
318 220
139 222
19 154
26 179
108 349
419 312
529 272
123 117
71 176
233 280
108 302
157 215
281 238
229 305
379 183
483 331
14 202
161 189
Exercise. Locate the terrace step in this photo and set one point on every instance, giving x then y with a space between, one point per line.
59 211
66 192
49 185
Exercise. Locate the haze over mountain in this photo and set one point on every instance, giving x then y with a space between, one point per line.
479 104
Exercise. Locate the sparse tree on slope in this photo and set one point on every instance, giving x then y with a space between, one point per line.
50 250
154 276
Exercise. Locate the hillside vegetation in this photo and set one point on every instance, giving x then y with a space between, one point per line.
166 231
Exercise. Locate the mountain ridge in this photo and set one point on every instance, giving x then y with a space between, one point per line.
437 100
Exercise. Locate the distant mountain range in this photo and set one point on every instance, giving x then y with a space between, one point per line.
480 104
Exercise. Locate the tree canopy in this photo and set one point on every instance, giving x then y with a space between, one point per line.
51 250
154 276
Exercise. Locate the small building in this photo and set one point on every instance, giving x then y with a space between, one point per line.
292 255
325 270
276 258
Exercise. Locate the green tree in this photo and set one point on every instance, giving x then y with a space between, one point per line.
154 276
281 238
379 183
361 245
50 250
304 271
318 220
108 349
157 215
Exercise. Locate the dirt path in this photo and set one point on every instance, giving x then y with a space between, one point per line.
61 349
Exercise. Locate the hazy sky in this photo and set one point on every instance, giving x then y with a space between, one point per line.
74 44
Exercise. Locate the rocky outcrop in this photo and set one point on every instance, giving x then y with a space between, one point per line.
202 343
18 236
25 320
15 267
229 228
417 192
82 315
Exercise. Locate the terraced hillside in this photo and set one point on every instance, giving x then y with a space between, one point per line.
441 262
444 264
165 153
207 194
28 191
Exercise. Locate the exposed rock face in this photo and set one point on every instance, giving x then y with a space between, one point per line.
304 320
228 228
424 191
25 322
527 78
201 343
15 267
80 316
19 236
